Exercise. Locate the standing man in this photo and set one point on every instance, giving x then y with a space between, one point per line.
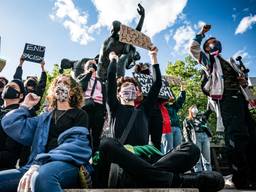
225 84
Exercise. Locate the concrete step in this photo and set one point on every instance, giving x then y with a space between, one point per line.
135 190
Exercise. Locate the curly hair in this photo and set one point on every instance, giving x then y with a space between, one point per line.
75 93
123 80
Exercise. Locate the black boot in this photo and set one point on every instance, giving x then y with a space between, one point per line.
208 181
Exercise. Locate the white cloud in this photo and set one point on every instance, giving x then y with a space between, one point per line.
245 24
182 36
160 15
241 53
73 20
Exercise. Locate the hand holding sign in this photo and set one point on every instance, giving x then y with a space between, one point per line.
21 60
33 53
153 54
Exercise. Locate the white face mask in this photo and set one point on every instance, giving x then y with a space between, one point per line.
194 111
62 92
128 93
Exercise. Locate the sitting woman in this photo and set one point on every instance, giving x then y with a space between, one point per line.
59 140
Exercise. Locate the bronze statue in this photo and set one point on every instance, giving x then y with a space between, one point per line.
127 53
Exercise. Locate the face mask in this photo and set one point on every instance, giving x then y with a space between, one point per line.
10 93
128 93
61 92
146 72
194 111
215 48
31 90
1 84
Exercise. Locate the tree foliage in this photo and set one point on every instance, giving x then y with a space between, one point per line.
188 71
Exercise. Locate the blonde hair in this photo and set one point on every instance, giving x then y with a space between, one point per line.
75 93
190 115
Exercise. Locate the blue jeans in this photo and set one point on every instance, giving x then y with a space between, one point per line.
171 140
53 176
204 163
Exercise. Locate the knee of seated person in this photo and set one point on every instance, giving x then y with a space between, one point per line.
106 144
191 149
43 178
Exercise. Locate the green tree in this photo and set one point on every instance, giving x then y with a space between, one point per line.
188 71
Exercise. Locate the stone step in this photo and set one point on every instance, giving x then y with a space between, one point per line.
135 190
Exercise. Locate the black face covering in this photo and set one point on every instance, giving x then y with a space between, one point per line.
10 93
31 90
146 72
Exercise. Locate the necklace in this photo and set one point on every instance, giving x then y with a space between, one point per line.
57 117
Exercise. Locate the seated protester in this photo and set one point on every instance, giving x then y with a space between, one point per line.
150 170
94 101
31 84
3 82
59 139
10 150
173 139
195 130
159 118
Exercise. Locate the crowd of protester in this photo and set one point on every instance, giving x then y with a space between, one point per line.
144 144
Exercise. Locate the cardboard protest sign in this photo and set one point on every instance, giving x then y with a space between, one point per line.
131 36
172 80
2 64
33 53
145 82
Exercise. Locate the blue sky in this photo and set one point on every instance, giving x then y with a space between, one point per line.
75 29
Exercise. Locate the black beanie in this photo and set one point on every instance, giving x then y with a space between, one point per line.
21 85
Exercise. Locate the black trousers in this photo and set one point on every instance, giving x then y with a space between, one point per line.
96 121
240 137
139 172
155 125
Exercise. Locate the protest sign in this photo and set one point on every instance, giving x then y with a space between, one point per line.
33 53
172 80
131 36
145 82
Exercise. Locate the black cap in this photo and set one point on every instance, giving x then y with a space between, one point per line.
21 85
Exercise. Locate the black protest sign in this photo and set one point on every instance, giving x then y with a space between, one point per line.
33 53
145 82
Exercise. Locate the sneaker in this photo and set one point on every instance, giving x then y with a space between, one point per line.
209 181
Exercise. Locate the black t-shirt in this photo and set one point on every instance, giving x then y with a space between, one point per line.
63 120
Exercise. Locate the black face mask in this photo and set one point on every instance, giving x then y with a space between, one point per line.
146 72
10 93
31 90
